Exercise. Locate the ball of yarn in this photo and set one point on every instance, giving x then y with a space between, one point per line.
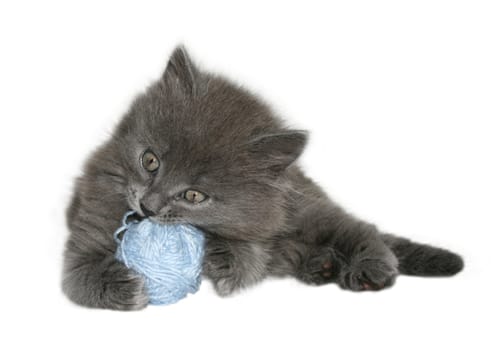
169 257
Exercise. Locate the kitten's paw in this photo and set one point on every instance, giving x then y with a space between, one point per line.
369 274
321 267
225 286
124 289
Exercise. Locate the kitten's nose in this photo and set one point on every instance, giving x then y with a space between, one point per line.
146 211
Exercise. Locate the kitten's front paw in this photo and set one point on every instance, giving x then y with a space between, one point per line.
124 289
225 286
368 274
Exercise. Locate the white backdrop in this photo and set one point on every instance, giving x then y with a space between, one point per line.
398 97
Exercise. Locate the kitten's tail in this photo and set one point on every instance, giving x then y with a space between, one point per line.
423 260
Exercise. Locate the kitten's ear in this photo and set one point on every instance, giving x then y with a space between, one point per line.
181 74
278 151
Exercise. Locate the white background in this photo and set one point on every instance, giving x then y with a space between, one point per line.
398 97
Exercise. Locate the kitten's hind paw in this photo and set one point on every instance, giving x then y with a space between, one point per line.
368 275
320 267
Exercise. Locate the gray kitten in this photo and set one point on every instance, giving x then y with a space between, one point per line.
194 148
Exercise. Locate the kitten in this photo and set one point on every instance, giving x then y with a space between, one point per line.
194 148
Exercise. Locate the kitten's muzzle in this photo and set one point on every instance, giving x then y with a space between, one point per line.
146 211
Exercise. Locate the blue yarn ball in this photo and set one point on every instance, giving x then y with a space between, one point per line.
169 257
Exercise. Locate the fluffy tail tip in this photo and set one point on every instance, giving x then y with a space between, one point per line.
418 259
432 262
447 264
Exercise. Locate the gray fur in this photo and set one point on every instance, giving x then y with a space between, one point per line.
263 216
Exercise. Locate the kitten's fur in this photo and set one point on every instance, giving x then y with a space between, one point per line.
263 216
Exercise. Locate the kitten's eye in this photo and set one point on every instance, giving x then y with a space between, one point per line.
150 161
194 196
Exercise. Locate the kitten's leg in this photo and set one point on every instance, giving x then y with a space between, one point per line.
232 265
366 263
102 283
312 264
92 276
321 265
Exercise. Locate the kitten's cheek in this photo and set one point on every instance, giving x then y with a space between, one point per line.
133 199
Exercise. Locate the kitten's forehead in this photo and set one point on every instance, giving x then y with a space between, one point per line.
223 117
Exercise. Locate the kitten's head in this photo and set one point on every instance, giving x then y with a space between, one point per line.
196 149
